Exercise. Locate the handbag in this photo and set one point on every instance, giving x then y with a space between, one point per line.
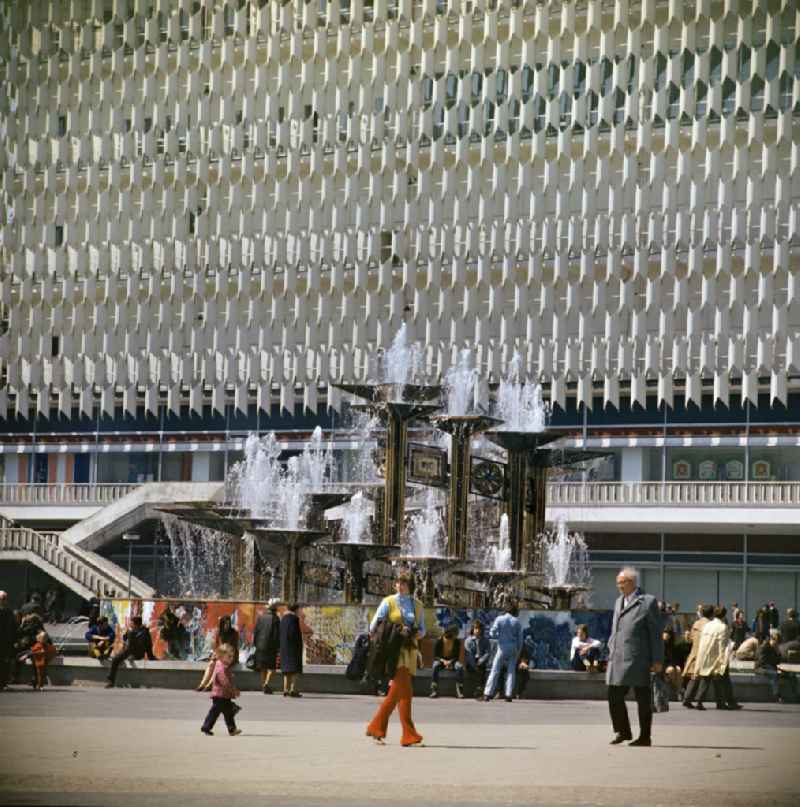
659 693
251 660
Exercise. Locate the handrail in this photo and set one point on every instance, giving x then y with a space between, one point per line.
64 493
70 560
699 494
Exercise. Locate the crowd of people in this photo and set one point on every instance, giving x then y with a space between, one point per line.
692 657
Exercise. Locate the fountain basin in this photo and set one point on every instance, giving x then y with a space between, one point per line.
387 392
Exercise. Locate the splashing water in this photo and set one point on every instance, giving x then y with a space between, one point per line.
253 481
316 461
355 520
401 362
201 558
566 558
364 427
425 532
462 382
499 557
519 403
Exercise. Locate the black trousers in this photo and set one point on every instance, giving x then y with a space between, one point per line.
6 668
723 689
224 707
476 679
619 712
115 662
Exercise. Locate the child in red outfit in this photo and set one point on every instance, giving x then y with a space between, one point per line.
41 652
223 692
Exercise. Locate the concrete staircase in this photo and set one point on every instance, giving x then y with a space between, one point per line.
82 571
141 504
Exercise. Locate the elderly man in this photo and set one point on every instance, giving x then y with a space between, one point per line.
8 635
635 649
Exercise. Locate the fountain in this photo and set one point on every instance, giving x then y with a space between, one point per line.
356 546
461 422
566 561
282 508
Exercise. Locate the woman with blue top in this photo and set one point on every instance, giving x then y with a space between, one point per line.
404 609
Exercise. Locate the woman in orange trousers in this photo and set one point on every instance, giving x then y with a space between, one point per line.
401 608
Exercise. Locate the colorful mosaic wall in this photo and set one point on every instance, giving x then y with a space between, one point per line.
330 631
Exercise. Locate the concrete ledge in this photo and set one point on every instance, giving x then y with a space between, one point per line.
318 678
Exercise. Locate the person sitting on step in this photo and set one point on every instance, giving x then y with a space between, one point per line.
585 652
446 656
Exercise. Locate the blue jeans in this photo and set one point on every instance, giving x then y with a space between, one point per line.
505 657
774 677
438 668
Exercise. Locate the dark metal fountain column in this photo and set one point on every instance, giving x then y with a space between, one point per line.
461 428
521 446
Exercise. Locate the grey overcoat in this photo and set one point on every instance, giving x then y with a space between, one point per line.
635 643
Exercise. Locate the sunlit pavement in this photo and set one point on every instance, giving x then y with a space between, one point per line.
128 747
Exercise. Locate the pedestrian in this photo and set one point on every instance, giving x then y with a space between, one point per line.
761 625
713 659
226 634
447 656
506 630
41 652
137 644
672 667
8 638
477 652
691 680
635 650
267 643
291 649
405 612
223 692
773 615
739 628
768 658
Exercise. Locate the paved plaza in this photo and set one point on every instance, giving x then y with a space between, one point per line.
129 747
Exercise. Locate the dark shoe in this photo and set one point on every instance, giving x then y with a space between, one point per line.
295 695
620 738
642 742
509 700
485 698
734 706
109 685
235 732
285 694
700 707
688 704
207 732
267 690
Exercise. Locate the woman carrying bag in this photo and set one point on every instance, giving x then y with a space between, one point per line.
405 610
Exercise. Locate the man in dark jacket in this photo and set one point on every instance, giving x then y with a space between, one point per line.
447 656
138 645
8 636
635 649
790 628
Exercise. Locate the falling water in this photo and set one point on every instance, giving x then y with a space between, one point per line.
316 461
292 491
253 482
519 403
425 532
566 558
364 427
499 557
462 382
401 362
356 520
201 558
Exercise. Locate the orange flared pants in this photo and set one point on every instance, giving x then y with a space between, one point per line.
400 694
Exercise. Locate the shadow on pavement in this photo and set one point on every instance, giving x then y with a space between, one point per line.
712 747
483 747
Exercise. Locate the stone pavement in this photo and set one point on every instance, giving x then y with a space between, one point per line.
132 747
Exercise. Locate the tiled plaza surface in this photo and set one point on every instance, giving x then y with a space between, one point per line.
128 747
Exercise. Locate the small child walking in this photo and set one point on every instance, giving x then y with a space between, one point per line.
41 652
223 692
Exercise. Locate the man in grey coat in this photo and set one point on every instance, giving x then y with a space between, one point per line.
635 649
